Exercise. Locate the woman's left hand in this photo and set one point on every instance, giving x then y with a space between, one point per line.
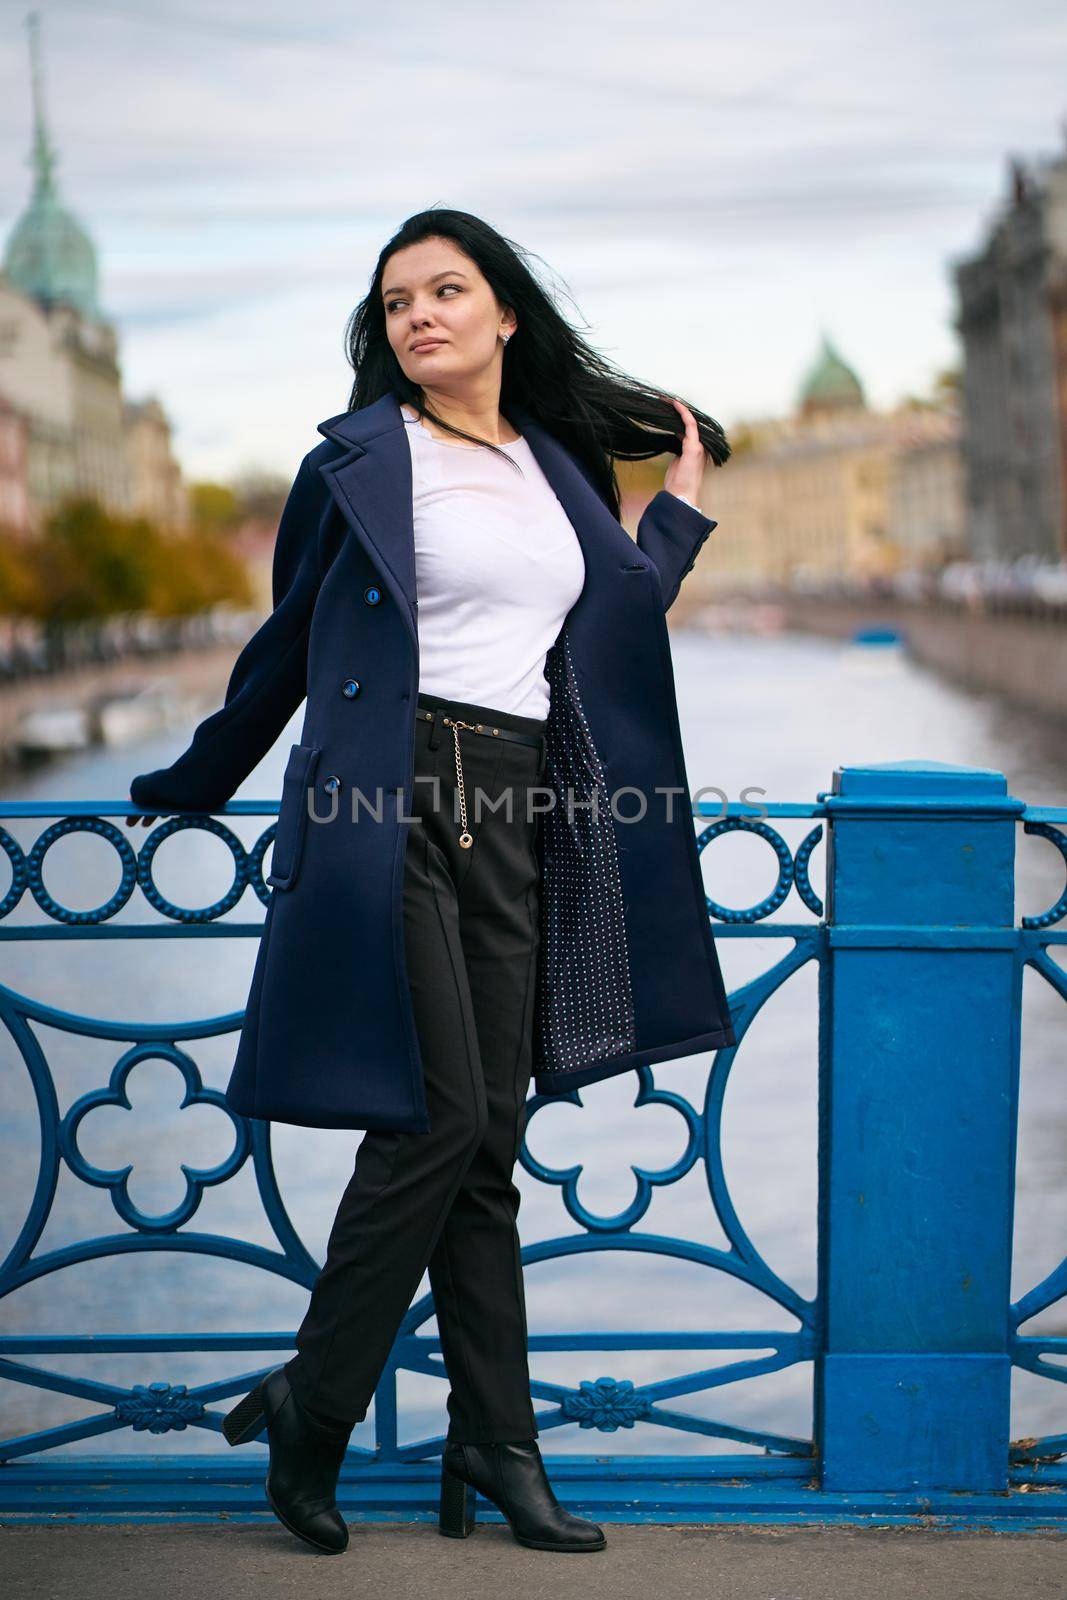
686 474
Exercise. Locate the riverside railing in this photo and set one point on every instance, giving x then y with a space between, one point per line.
912 1335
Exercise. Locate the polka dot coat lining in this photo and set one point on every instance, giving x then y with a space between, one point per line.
585 1010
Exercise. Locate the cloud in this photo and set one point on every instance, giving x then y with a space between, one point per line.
712 186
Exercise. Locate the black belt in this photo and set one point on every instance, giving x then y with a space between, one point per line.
466 838
482 727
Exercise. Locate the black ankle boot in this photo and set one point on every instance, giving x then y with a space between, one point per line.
305 1461
512 1476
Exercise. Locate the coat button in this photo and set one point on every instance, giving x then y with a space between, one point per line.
332 783
351 687
372 595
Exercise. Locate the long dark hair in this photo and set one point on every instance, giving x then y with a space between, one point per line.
599 413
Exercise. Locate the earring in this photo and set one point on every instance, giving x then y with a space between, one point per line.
505 337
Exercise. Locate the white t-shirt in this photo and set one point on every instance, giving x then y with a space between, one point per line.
498 567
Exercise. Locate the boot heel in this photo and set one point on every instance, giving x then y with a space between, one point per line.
457 1513
247 1419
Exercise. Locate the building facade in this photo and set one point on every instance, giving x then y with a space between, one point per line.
1012 319
59 363
834 492
14 477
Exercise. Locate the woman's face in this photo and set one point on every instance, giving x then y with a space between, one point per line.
432 291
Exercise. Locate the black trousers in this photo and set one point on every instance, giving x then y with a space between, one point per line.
445 1200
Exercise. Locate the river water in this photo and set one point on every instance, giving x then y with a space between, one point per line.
775 714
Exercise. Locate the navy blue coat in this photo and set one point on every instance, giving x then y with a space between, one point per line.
629 972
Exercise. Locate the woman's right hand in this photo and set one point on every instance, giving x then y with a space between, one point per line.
133 820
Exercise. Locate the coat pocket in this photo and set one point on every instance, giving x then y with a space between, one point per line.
293 815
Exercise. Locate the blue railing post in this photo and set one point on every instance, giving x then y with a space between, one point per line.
919 1063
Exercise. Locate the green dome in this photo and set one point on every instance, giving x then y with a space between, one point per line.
831 383
49 255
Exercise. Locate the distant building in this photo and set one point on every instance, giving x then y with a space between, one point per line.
834 491
14 484
1013 322
156 487
926 487
59 361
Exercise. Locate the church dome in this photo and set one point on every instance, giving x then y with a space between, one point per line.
831 384
50 257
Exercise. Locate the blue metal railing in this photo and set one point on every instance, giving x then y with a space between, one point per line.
912 1335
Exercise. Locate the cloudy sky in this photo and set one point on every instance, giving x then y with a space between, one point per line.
712 185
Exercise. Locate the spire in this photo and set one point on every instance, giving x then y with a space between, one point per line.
49 256
43 159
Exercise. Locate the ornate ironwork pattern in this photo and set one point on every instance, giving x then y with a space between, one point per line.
597 1404
27 871
1030 1353
605 1404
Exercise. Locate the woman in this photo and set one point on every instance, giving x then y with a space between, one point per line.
456 907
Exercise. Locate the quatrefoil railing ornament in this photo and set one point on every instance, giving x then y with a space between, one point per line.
197 1179
647 1180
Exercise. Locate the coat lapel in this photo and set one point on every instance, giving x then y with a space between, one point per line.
604 540
372 485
